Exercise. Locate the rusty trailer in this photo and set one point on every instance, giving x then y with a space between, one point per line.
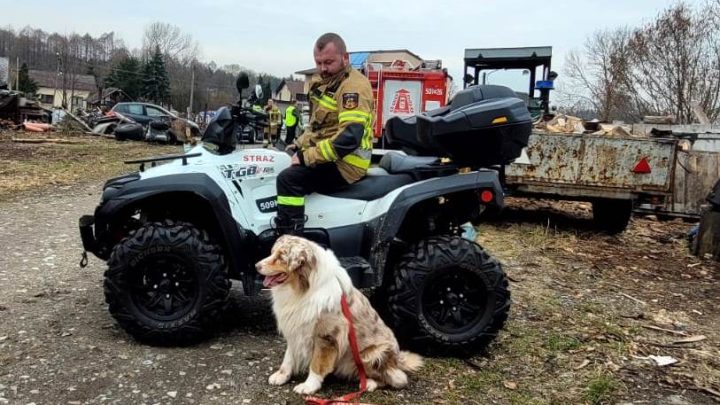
613 173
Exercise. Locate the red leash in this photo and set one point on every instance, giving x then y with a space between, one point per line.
347 398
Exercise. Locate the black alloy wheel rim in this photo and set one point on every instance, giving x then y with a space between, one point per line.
453 301
165 287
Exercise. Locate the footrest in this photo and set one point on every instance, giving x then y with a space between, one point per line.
360 271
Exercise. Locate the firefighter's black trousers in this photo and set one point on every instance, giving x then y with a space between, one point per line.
290 134
297 181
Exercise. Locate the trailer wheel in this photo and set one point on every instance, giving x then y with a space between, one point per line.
612 216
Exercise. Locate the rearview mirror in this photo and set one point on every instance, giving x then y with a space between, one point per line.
243 82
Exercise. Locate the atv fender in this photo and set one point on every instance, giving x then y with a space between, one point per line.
387 226
237 242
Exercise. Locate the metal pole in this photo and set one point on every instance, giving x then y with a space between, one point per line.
57 75
17 72
192 88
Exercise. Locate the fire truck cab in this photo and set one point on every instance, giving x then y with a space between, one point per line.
402 90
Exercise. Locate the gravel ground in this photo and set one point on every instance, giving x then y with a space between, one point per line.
573 337
59 345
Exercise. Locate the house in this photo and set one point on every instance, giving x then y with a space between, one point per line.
50 89
378 58
289 90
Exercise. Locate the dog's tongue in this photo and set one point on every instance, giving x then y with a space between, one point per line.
272 281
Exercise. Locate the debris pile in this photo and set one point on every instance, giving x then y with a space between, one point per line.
567 124
15 107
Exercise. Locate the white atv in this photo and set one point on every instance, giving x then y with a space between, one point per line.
175 234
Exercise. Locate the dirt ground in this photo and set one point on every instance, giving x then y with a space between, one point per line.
589 311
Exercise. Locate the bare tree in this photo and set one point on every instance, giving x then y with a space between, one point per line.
597 78
676 62
173 43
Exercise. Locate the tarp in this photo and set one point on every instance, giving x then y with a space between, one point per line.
357 59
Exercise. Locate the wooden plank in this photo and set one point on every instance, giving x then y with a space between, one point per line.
46 140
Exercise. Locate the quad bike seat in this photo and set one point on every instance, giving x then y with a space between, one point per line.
378 183
395 162
395 170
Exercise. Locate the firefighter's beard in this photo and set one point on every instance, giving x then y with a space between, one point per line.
327 76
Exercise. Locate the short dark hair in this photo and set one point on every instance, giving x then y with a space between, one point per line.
328 38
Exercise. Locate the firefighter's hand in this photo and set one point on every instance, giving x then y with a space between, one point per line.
290 147
295 160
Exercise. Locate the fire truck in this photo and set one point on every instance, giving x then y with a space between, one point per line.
401 92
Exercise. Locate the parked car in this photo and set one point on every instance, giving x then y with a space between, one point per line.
145 113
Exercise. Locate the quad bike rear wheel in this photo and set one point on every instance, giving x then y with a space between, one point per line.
166 283
448 296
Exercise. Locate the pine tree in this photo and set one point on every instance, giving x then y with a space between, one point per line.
25 83
126 76
155 79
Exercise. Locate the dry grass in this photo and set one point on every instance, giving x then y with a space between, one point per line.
572 336
28 167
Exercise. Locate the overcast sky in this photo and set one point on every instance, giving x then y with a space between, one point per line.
277 36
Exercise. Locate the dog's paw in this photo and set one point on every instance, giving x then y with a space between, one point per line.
279 377
371 385
308 387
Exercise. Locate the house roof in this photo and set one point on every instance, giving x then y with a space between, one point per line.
294 86
357 59
310 71
46 78
391 51
107 93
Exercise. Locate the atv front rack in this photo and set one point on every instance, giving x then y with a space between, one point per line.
153 160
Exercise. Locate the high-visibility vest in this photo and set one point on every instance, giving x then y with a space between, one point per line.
290 118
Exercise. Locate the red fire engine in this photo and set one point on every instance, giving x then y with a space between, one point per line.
401 92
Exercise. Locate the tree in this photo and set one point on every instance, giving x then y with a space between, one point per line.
127 76
155 78
25 83
677 62
170 40
598 77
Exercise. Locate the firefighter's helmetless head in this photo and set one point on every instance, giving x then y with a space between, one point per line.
330 55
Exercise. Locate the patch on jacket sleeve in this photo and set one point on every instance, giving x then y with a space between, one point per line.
350 100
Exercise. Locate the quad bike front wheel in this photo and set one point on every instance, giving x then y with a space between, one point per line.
166 283
448 296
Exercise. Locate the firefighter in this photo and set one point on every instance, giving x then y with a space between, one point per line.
335 148
292 118
274 122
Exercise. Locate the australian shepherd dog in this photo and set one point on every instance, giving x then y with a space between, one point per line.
307 283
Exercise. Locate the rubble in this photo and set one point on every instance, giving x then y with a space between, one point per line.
15 107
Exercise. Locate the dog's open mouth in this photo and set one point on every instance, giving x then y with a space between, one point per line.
274 280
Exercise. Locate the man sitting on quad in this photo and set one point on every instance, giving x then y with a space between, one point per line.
336 146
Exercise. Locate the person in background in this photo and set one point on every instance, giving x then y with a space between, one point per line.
292 120
274 122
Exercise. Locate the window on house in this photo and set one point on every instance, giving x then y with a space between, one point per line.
47 98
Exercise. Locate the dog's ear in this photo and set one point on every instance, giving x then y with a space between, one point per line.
298 255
